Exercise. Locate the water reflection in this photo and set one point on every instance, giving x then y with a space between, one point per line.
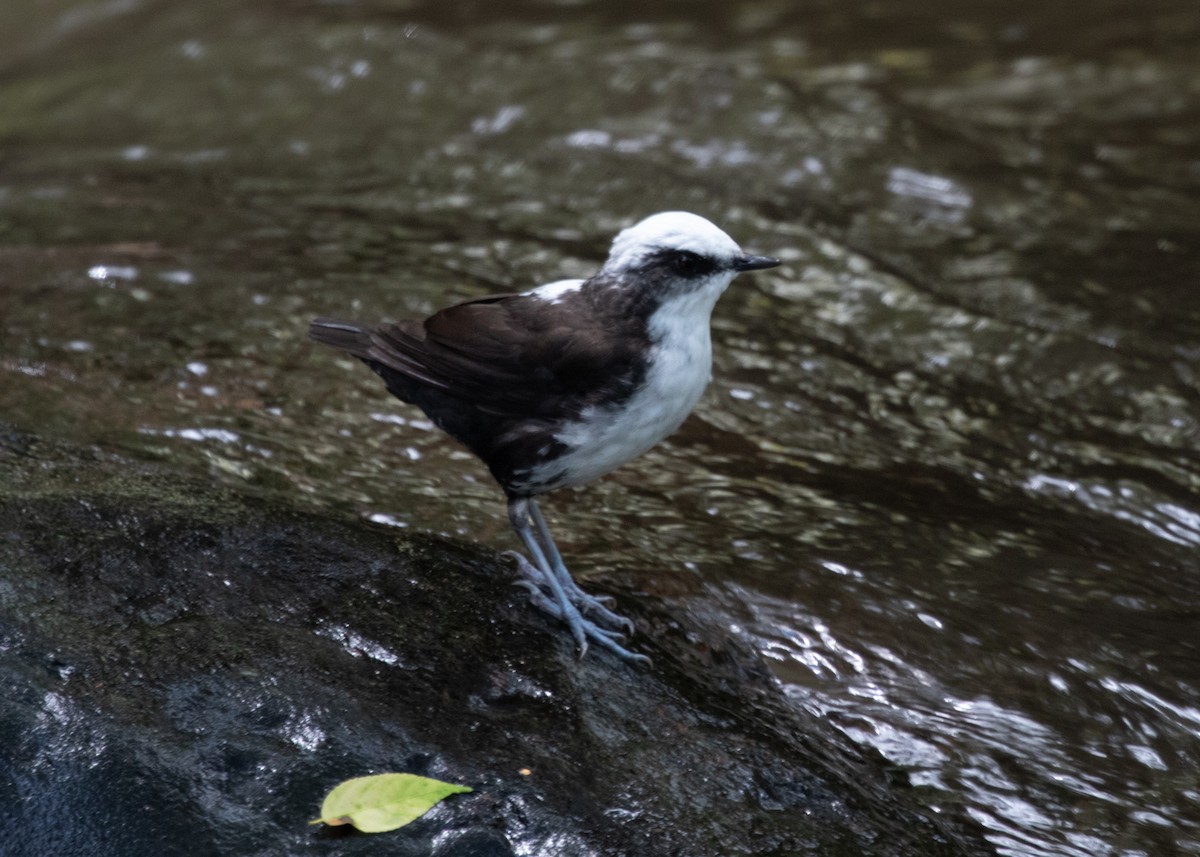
1037 789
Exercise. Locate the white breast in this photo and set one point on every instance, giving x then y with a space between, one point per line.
604 438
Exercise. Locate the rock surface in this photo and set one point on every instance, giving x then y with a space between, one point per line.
187 671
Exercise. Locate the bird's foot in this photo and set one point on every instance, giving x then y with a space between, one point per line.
572 612
602 637
586 603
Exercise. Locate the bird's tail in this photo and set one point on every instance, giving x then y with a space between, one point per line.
343 335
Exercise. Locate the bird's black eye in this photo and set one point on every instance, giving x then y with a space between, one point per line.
687 264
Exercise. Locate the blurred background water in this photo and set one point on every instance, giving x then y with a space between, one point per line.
946 477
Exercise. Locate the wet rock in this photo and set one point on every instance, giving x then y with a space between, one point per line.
187 671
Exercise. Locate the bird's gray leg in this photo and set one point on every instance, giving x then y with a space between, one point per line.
559 605
536 584
518 515
586 602
603 637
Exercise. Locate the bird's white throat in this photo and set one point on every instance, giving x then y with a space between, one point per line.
678 370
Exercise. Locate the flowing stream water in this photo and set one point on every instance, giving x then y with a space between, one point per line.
946 478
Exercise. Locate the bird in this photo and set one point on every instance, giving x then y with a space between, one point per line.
559 385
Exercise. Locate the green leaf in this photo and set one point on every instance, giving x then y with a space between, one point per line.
384 801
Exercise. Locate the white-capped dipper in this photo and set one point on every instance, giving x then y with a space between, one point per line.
562 384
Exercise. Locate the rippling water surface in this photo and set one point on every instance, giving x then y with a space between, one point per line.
946 477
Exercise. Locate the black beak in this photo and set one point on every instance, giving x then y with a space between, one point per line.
754 263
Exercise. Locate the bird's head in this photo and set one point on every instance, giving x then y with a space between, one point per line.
676 253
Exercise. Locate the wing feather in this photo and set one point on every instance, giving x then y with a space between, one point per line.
513 356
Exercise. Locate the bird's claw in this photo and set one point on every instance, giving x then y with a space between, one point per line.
540 600
586 603
572 613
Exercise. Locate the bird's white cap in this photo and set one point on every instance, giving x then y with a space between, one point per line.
670 230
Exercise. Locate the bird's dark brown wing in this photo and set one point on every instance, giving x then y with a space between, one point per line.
513 355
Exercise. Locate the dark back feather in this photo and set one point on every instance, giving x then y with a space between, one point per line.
502 373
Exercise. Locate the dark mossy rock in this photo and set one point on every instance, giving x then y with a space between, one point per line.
187 671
